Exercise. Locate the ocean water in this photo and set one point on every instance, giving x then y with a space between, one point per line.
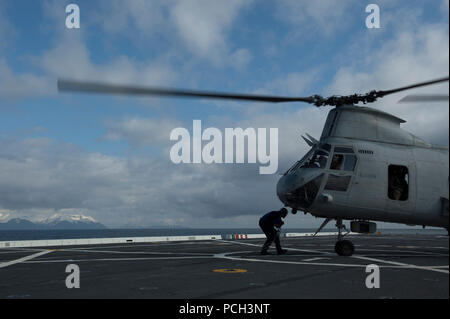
10 235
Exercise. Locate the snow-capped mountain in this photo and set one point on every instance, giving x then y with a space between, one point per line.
74 221
57 218
56 221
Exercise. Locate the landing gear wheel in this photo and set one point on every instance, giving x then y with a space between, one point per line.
344 248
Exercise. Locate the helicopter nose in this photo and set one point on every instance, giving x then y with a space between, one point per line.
283 188
291 187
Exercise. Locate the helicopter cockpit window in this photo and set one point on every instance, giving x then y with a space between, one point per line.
298 163
398 181
336 162
319 158
345 161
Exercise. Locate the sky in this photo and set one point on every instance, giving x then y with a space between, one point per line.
108 156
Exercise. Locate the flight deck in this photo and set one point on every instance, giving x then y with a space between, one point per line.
410 266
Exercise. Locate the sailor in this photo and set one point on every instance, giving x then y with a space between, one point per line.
398 186
336 162
268 223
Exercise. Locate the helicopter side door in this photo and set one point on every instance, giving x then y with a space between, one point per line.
400 190
368 196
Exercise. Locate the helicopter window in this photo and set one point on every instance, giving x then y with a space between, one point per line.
315 158
337 183
300 162
318 160
337 161
345 162
349 163
398 182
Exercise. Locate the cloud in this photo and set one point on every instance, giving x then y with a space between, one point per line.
445 6
198 26
54 64
203 26
203 32
20 85
13 84
70 56
240 58
295 83
320 17
7 30
148 17
4 215
40 177
410 56
121 69
140 132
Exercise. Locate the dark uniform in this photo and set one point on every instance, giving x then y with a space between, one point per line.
267 224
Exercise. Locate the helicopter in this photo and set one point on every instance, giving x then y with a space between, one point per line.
364 168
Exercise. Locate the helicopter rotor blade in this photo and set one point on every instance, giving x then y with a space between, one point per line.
374 95
424 98
97 87
413 86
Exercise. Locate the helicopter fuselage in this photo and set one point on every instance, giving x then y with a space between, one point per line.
381 173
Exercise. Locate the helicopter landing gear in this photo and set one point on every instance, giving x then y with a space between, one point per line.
343 247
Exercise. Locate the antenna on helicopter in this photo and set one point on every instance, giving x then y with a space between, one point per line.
309 142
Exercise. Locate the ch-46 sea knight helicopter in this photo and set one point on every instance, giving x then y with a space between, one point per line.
363 168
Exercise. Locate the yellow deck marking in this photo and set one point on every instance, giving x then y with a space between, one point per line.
230 271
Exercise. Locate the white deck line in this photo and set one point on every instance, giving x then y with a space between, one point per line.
23 259
127 240
102 241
